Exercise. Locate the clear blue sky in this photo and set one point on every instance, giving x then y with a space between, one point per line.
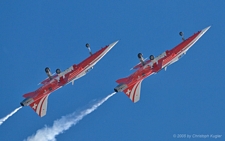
186 99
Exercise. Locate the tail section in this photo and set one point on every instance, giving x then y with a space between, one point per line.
134 91
40 106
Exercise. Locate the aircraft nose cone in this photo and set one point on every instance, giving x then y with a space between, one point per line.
113 44
205 29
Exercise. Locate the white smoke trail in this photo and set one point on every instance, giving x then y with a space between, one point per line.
63 124
9 115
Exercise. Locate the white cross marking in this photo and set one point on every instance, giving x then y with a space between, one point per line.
128 92
35 106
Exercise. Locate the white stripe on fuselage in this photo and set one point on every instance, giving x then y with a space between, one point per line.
94 61
183 51
82 73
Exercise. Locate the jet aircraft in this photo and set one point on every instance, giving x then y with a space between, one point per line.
131 85
38 99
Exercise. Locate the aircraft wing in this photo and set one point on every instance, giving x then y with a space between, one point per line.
47 80
40 106
134 91
139 65
88 64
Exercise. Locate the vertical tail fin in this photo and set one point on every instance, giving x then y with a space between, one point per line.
40 106
134 91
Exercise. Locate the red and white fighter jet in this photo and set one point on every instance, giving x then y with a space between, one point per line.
131 85
38 99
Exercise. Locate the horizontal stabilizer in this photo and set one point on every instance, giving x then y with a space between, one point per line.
30 94
122 80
